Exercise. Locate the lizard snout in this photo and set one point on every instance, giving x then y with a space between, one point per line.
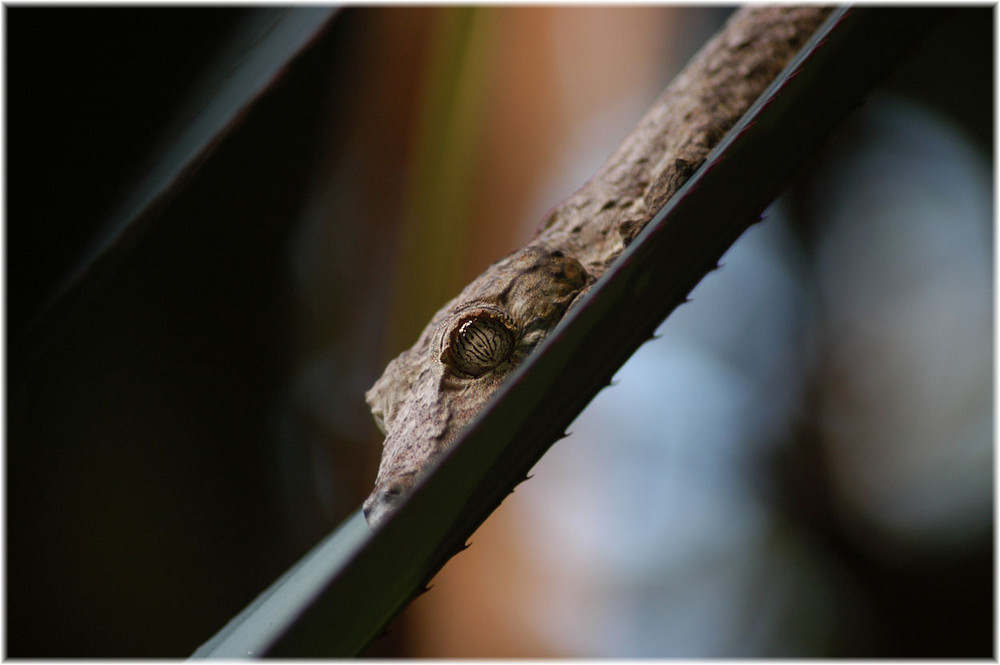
385 498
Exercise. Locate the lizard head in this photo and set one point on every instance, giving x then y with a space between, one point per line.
430 392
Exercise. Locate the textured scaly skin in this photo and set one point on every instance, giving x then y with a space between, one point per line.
421 402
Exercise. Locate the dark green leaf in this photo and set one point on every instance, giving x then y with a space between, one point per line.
367 578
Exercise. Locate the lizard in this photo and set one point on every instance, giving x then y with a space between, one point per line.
427 394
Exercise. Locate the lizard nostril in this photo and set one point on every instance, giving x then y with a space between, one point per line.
379 504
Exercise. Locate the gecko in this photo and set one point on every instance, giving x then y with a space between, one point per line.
430 392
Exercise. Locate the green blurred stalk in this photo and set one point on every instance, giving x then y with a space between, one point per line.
447 145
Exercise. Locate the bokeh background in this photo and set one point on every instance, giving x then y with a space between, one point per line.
801 465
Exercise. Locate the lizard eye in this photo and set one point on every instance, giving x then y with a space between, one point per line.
478 342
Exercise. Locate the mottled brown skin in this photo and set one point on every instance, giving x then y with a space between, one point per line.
422 402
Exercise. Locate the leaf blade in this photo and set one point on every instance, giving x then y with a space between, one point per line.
653 276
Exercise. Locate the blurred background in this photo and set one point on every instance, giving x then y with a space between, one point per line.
801 465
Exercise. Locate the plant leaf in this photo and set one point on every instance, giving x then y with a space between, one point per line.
256 57
369 579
